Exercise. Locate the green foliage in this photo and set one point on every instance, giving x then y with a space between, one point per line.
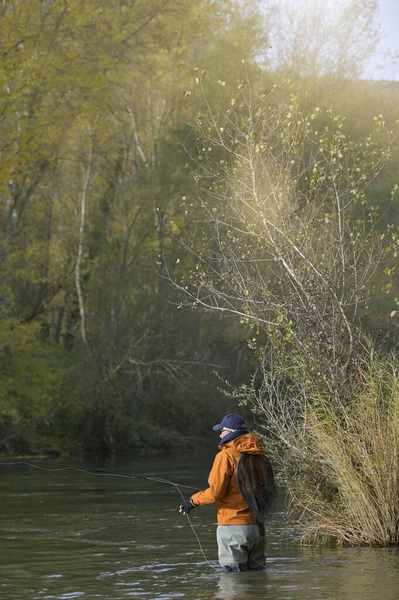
36 380
95 183
294 246
93 112
294 242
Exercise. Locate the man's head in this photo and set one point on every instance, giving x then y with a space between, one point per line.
230 424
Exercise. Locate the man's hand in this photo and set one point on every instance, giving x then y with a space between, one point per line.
186 506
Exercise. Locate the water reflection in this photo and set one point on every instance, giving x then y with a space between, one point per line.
236 586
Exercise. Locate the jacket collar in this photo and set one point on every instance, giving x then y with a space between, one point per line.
232 436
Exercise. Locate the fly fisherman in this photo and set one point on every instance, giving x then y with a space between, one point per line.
241 483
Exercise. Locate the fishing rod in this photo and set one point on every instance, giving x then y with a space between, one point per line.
95 471
107 472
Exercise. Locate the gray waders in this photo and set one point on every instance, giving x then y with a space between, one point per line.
241 547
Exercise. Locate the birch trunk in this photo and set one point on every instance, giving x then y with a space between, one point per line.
79 259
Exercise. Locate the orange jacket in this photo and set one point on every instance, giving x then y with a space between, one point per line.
223 488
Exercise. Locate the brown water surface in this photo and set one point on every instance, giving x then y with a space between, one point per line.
66 534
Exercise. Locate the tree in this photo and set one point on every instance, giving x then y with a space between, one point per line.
318 38
60 65
292 244
91 173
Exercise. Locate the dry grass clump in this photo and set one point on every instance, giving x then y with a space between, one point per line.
356 450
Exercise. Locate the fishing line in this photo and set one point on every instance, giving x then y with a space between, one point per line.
106 472
97 472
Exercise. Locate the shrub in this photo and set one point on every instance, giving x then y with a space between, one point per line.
349 490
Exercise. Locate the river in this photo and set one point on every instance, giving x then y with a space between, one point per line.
67 534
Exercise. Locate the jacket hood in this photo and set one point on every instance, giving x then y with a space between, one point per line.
245 443
230 436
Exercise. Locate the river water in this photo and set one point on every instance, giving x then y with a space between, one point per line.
67 534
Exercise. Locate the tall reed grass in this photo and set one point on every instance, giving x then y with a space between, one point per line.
355 460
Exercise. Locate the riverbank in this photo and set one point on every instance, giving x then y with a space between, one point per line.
45 447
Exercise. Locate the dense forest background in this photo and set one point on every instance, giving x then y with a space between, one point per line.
99 195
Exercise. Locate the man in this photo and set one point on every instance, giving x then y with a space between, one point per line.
240 533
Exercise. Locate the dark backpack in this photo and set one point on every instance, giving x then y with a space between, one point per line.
255 481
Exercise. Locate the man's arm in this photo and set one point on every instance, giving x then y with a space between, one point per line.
218 480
